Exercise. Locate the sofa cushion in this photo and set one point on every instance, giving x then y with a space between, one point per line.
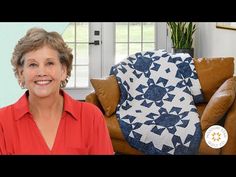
108 93
212 72
219 103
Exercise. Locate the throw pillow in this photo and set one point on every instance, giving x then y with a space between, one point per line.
219 103
108 93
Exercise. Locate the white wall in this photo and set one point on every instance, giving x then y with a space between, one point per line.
214 42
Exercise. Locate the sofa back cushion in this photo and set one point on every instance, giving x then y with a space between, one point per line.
212 72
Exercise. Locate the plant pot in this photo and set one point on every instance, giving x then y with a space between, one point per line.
189 51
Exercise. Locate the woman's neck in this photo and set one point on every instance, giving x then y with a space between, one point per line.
46 107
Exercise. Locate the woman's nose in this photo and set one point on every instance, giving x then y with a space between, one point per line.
41 71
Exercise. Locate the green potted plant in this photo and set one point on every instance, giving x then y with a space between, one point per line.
182 36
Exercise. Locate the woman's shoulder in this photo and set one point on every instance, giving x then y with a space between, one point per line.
89 106
6 110
78 104
81 108
91 113
88 109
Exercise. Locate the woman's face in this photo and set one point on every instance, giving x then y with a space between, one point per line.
42 72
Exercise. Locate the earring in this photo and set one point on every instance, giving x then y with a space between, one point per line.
22 85
61 84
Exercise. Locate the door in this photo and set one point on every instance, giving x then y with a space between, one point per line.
85 40
98 46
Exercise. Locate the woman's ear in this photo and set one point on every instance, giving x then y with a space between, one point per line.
21 79
20 73
64 72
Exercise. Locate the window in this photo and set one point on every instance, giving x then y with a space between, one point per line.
76 35
133 37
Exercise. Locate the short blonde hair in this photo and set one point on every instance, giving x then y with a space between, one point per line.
36 38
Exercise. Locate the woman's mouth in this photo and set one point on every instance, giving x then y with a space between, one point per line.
43 82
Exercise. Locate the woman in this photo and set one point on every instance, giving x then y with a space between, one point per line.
46 120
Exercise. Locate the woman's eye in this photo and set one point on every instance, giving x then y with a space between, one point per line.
50 63
32 65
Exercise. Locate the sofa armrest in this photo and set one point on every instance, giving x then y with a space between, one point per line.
230 123
92 98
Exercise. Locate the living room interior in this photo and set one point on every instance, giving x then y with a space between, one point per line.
98 46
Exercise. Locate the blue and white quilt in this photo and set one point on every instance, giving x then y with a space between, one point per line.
157 112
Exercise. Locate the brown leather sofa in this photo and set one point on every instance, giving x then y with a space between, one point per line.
219 89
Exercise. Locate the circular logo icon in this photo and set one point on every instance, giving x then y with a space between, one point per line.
216 136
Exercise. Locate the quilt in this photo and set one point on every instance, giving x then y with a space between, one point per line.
156 111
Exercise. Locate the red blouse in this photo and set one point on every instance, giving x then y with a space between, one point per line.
82 130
